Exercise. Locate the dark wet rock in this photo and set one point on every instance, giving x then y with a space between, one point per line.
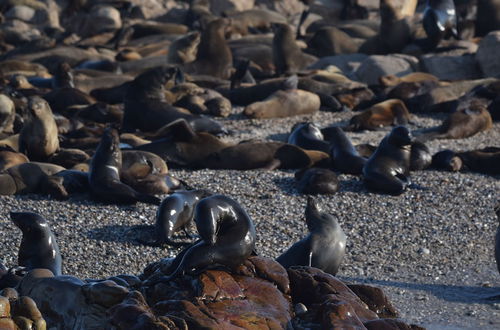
375 299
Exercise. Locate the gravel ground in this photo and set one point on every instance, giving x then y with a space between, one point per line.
430 249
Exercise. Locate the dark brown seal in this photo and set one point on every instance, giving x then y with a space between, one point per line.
308 136
38 247
105 169
38 138
316 181
344 157
388 169
227 238
323 248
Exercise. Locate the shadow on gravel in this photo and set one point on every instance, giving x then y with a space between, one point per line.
287 185
452 293
282 137
136 235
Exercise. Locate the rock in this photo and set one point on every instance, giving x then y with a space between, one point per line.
487 55
375 66
451 67
347 63
24 13
376 300
286 8
20 313
217 7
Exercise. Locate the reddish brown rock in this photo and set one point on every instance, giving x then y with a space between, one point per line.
375 298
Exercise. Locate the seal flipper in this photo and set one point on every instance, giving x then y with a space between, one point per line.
178 130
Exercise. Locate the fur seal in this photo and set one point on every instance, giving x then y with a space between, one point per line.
439 21
323 248
389 112
183 49
284 103
176 212
38 138
485 160
27 178
462 123
308 136
38 247
388 169
447 160
287 56
146 107
316 181
227 238
105 169
9 158
420 157
214 57
345 158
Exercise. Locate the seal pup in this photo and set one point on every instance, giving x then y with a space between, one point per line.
38 138
439 21
308 136
227 238
323 248
105 169
447 160
147 109
420 157
485 160
345 158
316 181
388 169
176 212
389 112
38 247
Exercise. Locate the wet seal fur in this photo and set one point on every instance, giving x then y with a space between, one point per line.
308 136
105 169
176 212
323 248
38 247
227 238
316 181
345 158
388 169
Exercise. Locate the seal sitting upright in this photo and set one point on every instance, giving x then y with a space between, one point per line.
105 169
323 248
388 169
38 247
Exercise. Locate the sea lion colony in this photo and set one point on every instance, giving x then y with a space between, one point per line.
98 101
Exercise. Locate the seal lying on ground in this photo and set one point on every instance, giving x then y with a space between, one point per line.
388 169
316 181
323 248
38 247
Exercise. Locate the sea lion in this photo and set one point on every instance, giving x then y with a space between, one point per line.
227 238
27 178
38 247
462 123
7 114
146 107
439 21
176 212
9 158
180 145
284 103
105 169
69 157
485 160
214 57
316 181
388 169
323 248
38 138
420 157
447 160
345 158
268 155
308 136
287 56
389 112
331 41
414 77
183 49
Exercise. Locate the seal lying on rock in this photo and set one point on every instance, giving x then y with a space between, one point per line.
227 238
38 247
390 112
323 248
388 169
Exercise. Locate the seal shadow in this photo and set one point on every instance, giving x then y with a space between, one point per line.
287 185
452 293
134 235
280 137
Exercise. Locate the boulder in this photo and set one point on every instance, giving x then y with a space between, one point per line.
487 55
451 67
375 66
